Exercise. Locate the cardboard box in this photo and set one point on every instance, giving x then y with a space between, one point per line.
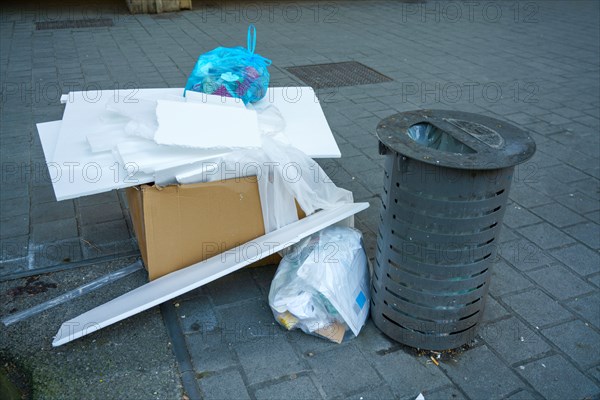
179 225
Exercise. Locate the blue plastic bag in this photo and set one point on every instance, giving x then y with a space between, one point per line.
232 72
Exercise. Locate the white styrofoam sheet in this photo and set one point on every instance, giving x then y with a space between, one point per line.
199 274
206 126
77 177
305 124
78 171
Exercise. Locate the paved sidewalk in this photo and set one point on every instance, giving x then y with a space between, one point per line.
534 63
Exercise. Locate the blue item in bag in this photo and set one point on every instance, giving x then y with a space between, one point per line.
232 72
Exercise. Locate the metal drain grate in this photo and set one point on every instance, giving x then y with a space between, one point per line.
74 24
347 73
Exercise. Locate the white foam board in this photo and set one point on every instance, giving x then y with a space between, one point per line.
305 124
78 171
85 173
150 157
199 274
206 126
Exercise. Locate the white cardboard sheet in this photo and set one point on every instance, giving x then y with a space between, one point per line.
206 126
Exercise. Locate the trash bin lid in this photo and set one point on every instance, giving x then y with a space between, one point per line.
456 139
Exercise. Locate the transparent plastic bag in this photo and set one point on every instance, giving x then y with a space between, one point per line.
323 282
285 175
232 72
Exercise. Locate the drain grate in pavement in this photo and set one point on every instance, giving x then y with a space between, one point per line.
74 24
347 73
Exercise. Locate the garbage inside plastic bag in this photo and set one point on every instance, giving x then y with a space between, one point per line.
322 285
232 72
431 136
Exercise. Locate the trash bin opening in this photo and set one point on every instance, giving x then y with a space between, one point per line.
431 136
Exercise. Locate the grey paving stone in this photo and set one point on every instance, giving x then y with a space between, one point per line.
268 358
247 320
359 190
579 258
380 392
517 216
301 388
558 215
523 254
493 310
20 191
42 194
92 250
588 233
415 376
480 374
210 350
507 235
196 315
310 345
578 341
595 372
54 253
524 395
52 211
589 188
372 180
224 385
595 280
14 247
343 370
594 216
537 308
505 279
105 232
14 207
564 173
98 213
555 378
579 202
371 340
107 197
14 226
528 197
588 307
263 276
550 186
55 230
560 282
546 236
513 340
234 287
444 394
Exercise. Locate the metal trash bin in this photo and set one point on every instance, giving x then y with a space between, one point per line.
446 184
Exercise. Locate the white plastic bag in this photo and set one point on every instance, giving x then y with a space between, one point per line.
284 173
324 281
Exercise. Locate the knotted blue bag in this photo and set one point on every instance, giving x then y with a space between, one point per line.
233 72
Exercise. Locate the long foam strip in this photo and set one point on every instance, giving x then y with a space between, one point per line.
199 274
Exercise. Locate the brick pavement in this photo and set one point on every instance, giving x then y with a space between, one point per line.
535 64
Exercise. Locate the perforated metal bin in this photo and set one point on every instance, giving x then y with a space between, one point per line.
447 178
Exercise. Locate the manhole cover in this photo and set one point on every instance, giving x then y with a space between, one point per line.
74 24
348 73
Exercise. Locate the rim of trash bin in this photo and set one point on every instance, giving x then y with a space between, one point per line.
496 144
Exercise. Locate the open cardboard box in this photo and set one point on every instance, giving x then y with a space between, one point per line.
179 225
